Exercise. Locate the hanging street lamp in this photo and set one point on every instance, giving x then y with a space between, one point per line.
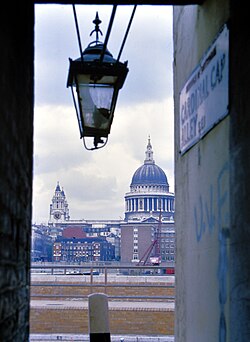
95 80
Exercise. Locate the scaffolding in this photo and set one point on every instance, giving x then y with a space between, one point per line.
152 255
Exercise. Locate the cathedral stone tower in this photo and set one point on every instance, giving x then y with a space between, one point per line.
59 209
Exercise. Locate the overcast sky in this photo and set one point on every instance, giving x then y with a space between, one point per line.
95 182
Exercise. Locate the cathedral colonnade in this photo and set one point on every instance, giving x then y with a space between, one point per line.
150 203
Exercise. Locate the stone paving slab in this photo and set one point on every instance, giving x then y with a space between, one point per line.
114 338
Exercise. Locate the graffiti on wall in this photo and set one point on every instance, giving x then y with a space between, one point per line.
211 216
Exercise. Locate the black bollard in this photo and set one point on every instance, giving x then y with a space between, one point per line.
98 318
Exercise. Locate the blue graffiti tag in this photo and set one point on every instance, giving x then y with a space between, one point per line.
223 236
206 219
207 216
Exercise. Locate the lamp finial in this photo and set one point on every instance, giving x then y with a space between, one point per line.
97 22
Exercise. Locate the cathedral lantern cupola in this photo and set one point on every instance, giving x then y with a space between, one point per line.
149 154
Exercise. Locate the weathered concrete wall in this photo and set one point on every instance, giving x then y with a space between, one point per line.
16 145
202 194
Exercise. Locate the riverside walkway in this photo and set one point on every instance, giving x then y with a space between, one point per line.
113 305
141 306
85 338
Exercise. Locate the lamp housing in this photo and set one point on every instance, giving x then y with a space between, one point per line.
95 79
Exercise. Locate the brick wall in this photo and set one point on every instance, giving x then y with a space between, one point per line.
121 321
16 145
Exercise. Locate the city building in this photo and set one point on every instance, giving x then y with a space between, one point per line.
83 250
41 244
148 229
59 218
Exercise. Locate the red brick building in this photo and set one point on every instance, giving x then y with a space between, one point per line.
76 232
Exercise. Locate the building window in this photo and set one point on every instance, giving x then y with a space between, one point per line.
141 204
159 204
135 256
155 203
150 204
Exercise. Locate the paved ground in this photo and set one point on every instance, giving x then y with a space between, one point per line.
113 305
85 338
37 277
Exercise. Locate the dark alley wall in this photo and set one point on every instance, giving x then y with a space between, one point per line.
16 145
240 173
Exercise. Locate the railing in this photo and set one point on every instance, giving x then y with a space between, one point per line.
104 277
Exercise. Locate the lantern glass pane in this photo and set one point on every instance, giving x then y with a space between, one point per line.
101 95
96 103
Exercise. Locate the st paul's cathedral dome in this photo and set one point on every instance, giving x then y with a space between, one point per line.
149 173
149 192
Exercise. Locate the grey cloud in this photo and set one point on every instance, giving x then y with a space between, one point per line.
96 182
89 187
148 51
